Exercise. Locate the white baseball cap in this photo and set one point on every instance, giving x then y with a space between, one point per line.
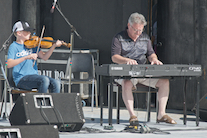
22 26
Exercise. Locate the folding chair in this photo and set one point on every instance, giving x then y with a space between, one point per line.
81 62
14 89
140 89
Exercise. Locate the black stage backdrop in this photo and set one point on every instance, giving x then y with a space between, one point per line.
181 30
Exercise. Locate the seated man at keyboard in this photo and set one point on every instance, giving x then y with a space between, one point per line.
132 46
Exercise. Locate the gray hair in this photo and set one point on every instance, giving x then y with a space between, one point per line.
137 18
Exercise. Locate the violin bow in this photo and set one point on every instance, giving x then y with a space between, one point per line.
43 29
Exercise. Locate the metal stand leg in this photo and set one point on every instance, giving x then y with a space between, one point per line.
6 85
110 101
5 115
101 99
197 105
148 105
184 103
118 104
157 106
92 97
2 101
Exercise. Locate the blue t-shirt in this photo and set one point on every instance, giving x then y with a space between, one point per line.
24 68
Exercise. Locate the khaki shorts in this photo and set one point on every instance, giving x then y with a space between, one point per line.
148 82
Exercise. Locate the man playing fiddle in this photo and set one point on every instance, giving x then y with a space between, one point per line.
21 58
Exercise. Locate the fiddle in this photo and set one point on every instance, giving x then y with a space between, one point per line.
46 42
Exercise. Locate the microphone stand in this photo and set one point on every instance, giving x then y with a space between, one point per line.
73 30
4 100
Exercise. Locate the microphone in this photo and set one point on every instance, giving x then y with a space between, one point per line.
53 6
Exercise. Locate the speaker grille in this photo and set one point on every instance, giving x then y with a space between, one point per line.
63 110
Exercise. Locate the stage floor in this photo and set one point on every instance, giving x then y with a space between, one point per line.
93 129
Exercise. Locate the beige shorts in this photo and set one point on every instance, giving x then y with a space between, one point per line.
148 82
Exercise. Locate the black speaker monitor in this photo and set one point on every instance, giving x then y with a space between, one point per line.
61 109
31 131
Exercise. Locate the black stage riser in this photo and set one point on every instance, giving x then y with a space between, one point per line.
63 110
202 108
31 131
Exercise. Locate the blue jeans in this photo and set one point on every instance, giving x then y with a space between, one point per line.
39 82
